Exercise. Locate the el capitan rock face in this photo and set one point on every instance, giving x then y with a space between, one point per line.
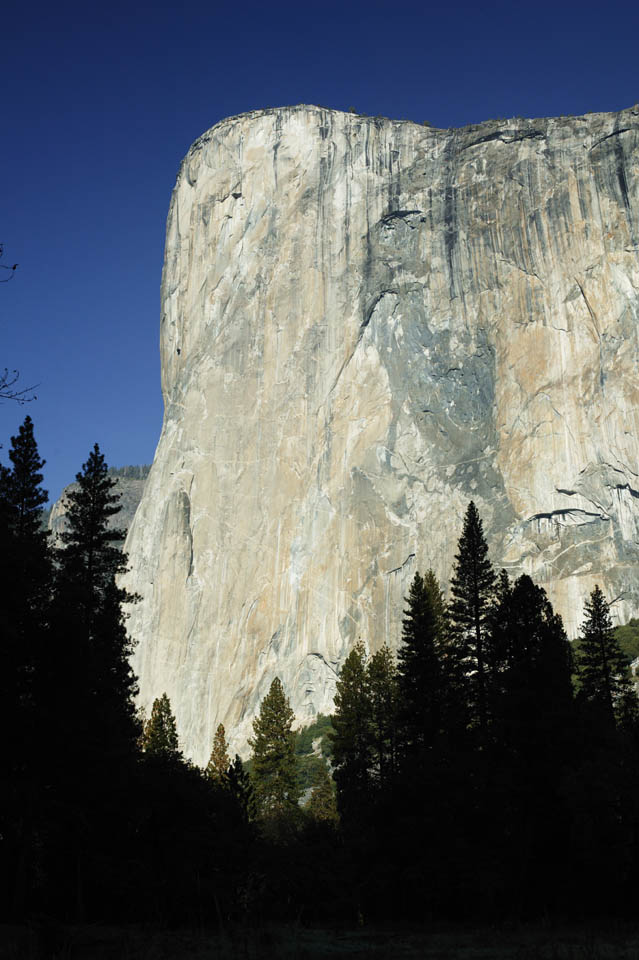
365 324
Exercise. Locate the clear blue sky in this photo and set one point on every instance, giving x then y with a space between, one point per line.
99 103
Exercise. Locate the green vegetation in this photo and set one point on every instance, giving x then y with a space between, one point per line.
160 737
273 772
627 636
320 729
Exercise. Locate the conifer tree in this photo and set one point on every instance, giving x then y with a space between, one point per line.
160 734
25 561
471 607
426 666
91 557
322 805
274 771
535 690
239 785
602 667
25 584
351 739
384 705
92 646
218 766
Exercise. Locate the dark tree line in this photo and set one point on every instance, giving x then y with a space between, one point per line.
489 770
506 781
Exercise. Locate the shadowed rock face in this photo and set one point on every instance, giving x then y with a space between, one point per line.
365 324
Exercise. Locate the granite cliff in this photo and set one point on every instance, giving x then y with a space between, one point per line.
366 323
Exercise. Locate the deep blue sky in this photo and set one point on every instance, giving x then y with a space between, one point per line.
100 102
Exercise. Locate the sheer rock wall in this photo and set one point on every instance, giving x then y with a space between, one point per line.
365 324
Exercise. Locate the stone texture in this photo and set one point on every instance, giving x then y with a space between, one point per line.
365 324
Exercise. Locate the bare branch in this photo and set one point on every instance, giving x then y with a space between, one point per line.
7 380
10 269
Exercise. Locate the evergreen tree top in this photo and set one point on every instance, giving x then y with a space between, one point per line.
473 581
219 762
160 737
22 483
602 667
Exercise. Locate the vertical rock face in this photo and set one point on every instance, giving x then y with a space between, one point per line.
365 324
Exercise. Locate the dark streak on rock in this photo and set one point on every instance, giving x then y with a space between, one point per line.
626 486
411 556
371 310
567 513
398 215
503 136
615 133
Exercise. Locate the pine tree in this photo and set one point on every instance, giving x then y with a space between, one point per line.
25 584
25 556
602 667
535 685
471 608
351 739
25 559
322 805
218 766
90 685
274 770
384 705
427 668
91 558
238 782
160 733
92 646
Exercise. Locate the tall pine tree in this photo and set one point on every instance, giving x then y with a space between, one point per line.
219 762
274 771
25 585
89 615
91 687
471 606
351 737
160 738
429 669
602 667
384 706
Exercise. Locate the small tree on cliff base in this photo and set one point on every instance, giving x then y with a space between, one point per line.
322 805
602 667
160 734
219 763
274 774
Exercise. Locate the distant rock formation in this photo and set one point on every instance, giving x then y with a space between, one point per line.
129 484
365 324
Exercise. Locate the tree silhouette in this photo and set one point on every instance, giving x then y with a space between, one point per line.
218 765
274 774
383 692
602 667
160 734
351 739
472 589
25 577
429 671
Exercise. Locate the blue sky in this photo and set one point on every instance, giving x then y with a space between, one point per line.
99 103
